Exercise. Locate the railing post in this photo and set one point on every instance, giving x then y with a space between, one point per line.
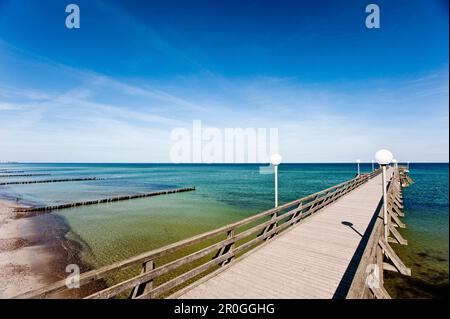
273 225
229 248
147 286
311 208
226 249
298 213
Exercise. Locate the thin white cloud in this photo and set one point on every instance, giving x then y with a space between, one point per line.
10 92
106 119
151 93
9 107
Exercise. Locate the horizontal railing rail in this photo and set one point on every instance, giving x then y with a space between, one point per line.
216 248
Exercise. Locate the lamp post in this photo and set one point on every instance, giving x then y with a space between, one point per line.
407 166
373 165
358 162
384 158
275 160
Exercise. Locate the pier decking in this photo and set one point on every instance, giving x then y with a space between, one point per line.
312 260
335 243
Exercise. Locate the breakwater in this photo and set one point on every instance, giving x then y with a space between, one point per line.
103 200
22 175
11 171
51 181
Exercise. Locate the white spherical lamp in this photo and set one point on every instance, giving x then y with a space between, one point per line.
358 161
275 159
394 161
383 157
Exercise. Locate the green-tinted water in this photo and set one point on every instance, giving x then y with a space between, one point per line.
119 230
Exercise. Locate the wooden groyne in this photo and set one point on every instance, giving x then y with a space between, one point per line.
101 201
11 171
51 181
22 175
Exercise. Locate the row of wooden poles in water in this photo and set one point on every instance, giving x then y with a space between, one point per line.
23 175
50 181
103 200
81 203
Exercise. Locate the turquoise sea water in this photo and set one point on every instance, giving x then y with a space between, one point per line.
224 193
426 217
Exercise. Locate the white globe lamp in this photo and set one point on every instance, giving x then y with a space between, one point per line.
275 159
384 157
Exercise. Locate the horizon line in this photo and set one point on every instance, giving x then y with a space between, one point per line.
201 163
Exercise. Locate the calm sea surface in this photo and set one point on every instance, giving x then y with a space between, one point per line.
225 193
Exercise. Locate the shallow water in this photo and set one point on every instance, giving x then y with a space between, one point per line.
225 193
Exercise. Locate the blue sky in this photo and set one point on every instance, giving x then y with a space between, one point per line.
113 90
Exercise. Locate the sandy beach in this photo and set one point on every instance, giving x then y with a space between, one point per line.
32 251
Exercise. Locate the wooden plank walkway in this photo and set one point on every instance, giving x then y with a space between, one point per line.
315 259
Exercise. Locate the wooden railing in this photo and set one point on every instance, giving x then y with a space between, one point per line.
378 256
207 253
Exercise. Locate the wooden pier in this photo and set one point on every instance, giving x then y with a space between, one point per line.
101 201
330 244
